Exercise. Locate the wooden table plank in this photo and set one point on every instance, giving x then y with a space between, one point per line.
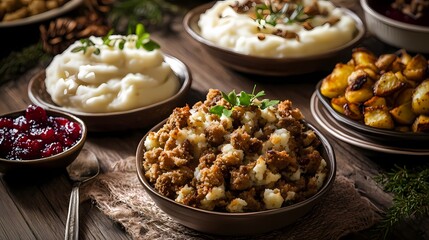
11 216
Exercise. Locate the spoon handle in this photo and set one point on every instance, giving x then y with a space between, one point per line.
72 224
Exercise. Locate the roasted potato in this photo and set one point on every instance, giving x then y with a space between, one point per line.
359 87
335 83
416 68
404 96
384 62
421 124
353 111
403 114
378 117
338 104
364 58
375 101
420 99
403 79
387 84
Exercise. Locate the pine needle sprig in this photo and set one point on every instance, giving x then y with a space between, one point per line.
151 13
410 189
19 62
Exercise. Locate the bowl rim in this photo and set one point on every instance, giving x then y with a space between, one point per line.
319 194
185 86
391 22
52 112
194 14
367 130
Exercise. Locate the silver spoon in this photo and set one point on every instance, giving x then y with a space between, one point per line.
82 169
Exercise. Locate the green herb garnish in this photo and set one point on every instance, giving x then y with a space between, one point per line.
287 14
86 43
242 99
143 41
410 188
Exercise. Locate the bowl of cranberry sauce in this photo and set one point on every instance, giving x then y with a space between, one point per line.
36 138
402 24
414 12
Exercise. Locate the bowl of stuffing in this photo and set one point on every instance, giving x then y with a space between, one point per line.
274 38
403 24
39 139
227 164
113 83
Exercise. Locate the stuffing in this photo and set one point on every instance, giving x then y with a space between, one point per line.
251 159
273 198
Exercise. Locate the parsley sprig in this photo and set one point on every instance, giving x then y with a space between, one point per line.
242 99
287 14
143 41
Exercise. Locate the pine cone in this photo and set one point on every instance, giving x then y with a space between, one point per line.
64 31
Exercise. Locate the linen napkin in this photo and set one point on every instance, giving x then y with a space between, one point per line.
119 194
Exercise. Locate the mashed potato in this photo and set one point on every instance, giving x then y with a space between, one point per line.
113 80
234 25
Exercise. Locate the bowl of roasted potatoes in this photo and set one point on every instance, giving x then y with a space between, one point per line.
383 96
15 13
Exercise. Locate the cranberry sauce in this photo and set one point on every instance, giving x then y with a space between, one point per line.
385 8
36 135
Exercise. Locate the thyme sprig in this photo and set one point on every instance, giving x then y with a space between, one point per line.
143 40
289 13
410 188
86 43
242 99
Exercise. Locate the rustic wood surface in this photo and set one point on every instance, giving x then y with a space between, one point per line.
35 207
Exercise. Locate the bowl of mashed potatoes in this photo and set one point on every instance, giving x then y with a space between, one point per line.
275 38
236 170
112 86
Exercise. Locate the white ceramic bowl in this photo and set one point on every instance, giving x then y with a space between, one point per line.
411 37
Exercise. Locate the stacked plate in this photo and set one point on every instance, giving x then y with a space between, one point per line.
360 135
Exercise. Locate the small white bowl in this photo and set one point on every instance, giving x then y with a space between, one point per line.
411 37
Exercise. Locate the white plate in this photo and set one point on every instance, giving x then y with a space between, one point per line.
340 132
68 6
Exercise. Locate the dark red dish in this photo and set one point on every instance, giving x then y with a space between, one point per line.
388 9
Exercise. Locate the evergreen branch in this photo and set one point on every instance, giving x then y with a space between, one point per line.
410 188
149 12
19 62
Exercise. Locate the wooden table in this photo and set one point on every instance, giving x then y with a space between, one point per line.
36 207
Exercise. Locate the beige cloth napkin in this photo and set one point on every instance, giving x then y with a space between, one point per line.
120 195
